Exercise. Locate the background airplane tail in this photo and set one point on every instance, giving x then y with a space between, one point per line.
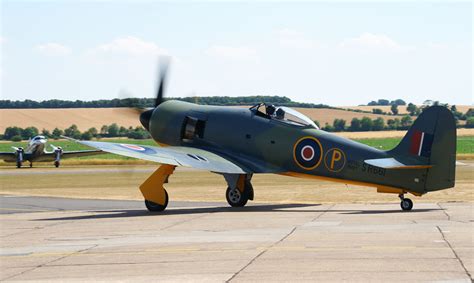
432 140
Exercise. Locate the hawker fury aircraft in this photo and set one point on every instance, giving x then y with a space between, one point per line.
238 143
36 151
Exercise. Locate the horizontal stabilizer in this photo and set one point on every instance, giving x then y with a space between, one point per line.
392 163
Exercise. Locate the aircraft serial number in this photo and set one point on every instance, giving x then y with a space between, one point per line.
373 170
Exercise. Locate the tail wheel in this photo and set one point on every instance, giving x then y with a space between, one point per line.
236 198
155 207
406 204
56 163
18 164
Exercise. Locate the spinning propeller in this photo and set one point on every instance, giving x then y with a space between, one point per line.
146 116
162 79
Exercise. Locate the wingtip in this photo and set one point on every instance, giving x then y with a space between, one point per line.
68 138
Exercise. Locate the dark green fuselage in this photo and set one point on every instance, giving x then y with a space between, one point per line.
266 145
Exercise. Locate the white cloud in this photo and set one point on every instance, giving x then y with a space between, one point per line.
131 45
53 49
2 40
233 53
295 39
370 40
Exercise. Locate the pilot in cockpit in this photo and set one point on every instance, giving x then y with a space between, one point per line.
280 114
270 109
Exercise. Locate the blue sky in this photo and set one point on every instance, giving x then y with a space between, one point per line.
340 53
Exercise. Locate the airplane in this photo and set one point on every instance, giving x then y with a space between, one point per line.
238 143
35 151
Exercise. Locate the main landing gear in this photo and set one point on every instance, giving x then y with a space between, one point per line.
238 193
156 197
156 207
239 189
19 157
406 204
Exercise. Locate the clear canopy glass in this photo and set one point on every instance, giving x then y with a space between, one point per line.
283 114
294 117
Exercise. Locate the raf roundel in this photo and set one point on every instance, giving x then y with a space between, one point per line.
137 148
133 147
307 153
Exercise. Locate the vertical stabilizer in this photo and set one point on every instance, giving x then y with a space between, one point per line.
432 140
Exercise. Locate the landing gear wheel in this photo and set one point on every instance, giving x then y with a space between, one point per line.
406 204
56 163
235 198
18 164
31 164
155 207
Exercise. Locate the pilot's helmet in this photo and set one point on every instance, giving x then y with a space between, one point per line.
280 113
270 109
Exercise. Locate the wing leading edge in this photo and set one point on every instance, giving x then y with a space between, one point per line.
172 155
50 156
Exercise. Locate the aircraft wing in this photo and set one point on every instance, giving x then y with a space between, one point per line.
79 153
8 156
49 156
172 155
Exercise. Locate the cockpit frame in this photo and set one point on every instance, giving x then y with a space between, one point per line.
282 114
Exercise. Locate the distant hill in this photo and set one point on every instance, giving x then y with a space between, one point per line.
86 118
402 109
149 102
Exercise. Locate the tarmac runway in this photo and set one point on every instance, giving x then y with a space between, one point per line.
58 239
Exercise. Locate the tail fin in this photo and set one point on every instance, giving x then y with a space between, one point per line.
432 140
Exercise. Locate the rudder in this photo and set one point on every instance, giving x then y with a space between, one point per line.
432 140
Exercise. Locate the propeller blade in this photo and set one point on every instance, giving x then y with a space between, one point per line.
128 100
164 62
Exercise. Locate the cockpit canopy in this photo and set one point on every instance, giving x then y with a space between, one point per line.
282 114
39 138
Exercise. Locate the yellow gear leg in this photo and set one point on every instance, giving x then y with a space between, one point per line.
241 183
152 189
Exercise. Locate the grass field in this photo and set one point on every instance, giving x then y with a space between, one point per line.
465 146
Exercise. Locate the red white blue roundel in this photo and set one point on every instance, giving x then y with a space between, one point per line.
137 148
133 147
307 153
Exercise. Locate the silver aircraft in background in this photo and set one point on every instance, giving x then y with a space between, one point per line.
36 151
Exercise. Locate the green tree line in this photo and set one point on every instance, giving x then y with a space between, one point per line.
367 124
149 102
112 131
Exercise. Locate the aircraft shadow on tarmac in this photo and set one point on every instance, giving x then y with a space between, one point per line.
105 214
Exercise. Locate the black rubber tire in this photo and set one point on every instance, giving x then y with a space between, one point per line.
235 198
31 164
154 207
249 190
56 163
18 165
406 204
